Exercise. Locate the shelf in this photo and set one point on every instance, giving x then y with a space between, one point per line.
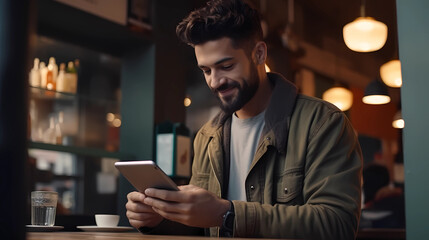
45 94
91 152
41 93
72 25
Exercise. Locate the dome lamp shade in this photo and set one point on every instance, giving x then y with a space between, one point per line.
390 73
376 93
339 96
365 34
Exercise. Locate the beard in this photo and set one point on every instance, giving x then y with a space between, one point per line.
246 92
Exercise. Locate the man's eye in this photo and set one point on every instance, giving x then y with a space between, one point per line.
206 71
226 67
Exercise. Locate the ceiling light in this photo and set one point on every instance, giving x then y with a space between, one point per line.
365 34
398 121
376 93
391 73
339 96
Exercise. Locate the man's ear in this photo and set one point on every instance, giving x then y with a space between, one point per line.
260 52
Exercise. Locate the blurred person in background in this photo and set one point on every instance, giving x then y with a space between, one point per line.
384 204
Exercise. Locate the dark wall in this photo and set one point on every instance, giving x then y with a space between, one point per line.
14 32
171 60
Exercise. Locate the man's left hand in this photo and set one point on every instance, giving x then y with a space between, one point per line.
192 206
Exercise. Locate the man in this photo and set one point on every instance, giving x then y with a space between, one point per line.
272 163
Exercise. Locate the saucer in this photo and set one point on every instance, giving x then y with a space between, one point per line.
39 228
104 229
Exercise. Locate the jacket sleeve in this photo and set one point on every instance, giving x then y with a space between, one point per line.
331 188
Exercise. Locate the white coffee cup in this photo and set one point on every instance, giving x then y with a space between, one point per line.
106 220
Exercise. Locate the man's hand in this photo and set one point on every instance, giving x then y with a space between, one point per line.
192 206
140 214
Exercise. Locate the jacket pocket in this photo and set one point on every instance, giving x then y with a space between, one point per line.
289 186
201 180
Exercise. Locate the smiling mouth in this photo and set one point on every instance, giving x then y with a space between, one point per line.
226 90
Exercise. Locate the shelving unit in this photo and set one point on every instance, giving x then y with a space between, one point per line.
94 40
148 95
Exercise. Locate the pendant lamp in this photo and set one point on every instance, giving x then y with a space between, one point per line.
376 93
365 34
391 73
339 96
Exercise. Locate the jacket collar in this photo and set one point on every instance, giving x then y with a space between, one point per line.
277 115
279 110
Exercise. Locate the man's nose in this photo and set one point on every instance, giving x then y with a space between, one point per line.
216 79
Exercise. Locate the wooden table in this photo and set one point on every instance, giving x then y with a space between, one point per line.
111 236
381 233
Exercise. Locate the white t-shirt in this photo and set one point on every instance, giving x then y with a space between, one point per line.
245 134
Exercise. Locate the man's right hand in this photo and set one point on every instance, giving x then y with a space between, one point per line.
140 214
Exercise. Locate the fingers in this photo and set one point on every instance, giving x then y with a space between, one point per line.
135 196
135 223
165 195
173 216
138 213
135 203
166 206
186 194
143 219
186 187
138 207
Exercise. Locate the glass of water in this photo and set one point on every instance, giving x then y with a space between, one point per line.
43 207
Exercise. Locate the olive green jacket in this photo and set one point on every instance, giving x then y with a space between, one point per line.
305 178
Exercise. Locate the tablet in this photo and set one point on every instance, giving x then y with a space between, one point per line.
145 174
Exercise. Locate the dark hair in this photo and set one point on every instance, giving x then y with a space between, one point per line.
221 18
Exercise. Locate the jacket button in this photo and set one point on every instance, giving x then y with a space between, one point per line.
286 190
252 187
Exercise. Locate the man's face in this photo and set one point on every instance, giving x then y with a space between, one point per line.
229 73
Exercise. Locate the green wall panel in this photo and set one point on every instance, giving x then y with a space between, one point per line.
137 112
413 31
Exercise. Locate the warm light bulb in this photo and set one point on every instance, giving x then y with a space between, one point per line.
117 122
365 34
376 99
110 117
187 102
340 97
391 73
399 123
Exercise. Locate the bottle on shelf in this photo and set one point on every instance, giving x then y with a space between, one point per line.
43 74
51 75
58 128
54 65
61 78
36 130
70 78
49 134
34 76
